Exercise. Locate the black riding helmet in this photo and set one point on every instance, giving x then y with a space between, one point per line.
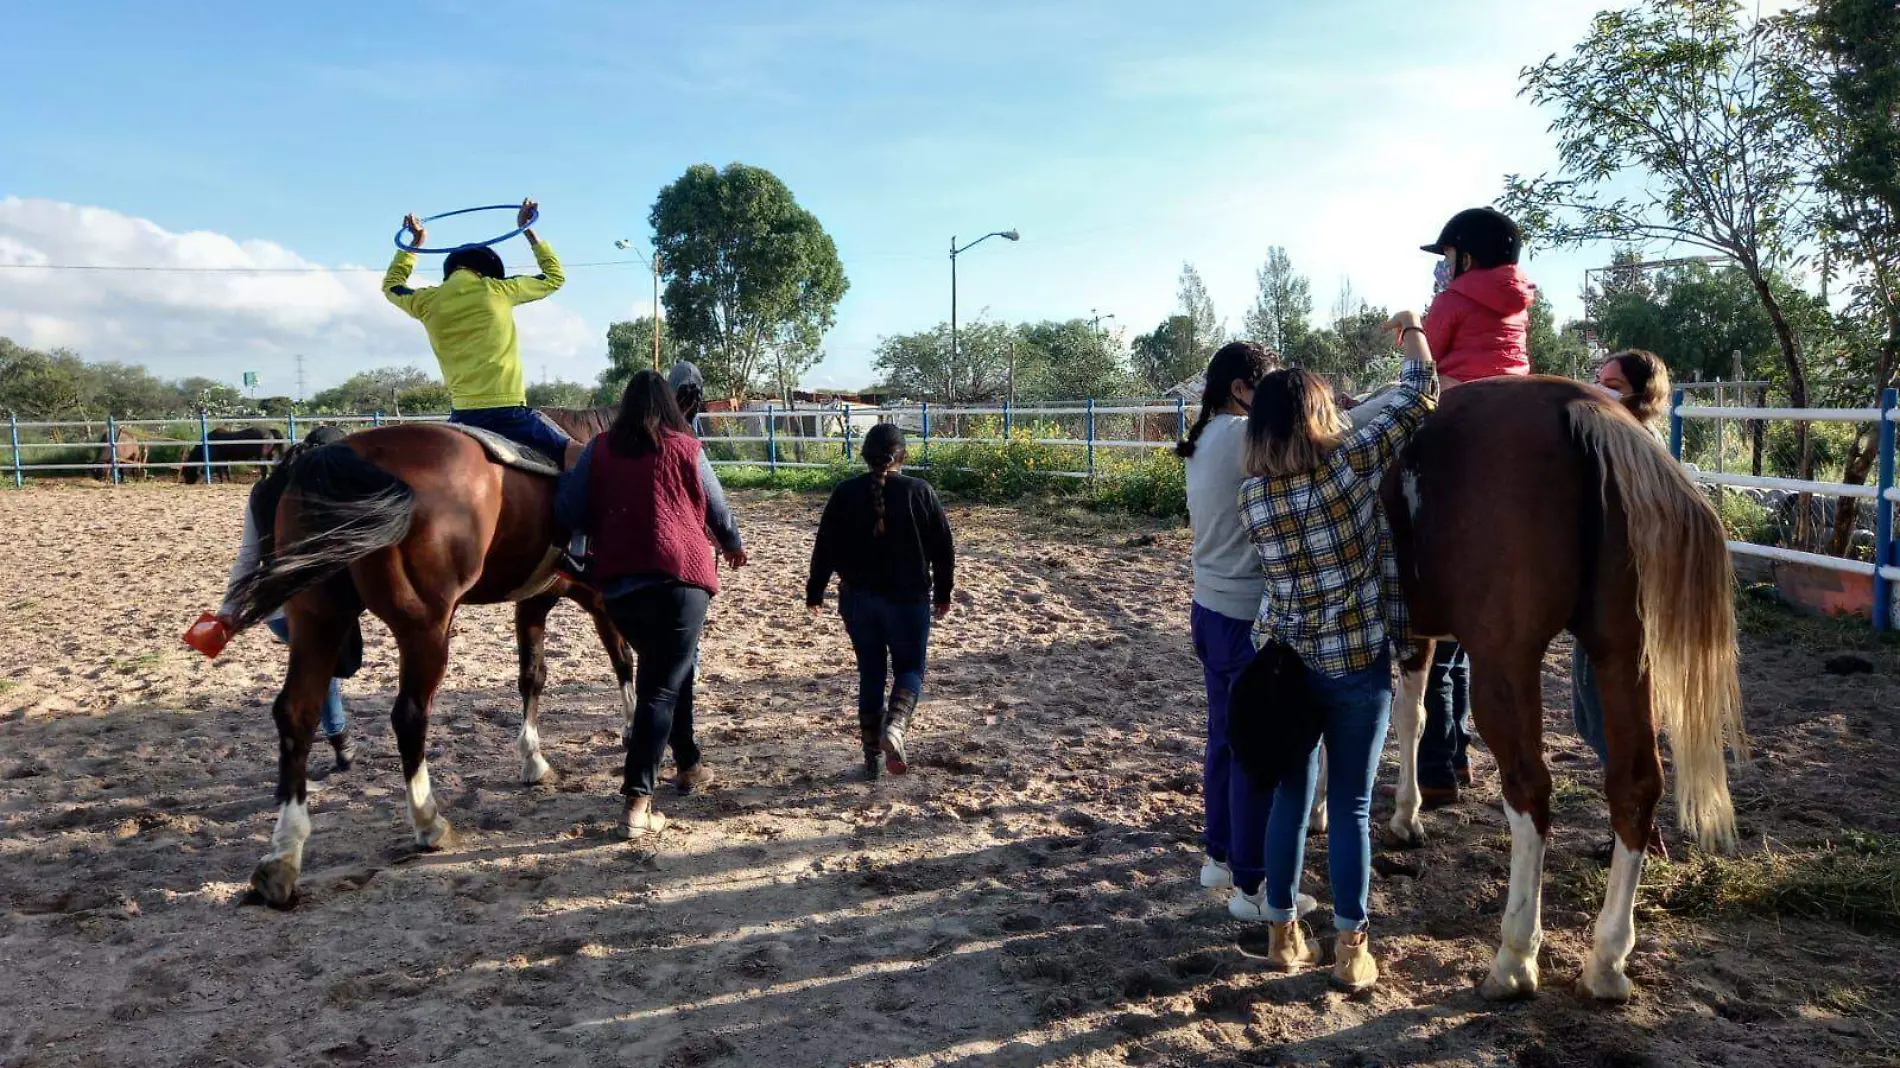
481 259
1487 235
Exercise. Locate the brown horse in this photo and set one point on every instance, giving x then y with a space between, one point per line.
410 522
128 449
1524 507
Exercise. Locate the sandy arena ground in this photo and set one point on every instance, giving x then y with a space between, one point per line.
1027 897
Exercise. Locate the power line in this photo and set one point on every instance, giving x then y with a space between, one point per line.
272 270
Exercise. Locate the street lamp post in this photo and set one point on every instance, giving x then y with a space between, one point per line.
1009 235
654 263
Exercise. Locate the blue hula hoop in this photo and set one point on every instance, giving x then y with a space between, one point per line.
533 217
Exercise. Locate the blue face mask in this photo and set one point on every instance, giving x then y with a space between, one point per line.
1441 276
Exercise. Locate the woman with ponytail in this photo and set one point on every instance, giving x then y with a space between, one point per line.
886 537
1227 589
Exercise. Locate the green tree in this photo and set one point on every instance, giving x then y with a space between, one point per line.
1697 318
753 280
918 365
560 393
44 385
394 390
1070 360
1167 355
1205 330
1553 351
1672 128
630 349
1279 314
1850 50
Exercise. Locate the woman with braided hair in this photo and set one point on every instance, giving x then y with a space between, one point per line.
886 537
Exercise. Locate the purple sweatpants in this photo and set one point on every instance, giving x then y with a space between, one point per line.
1236 830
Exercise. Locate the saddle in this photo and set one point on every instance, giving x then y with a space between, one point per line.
508 453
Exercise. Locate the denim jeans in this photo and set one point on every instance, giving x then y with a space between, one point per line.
1236 828
1358 707
1586 703
1443 744
662 623
890 638
336 718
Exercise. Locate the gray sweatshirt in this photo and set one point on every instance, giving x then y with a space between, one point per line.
1227 575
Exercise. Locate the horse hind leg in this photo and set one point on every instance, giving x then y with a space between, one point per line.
425 657
1408 722
1507 704
315 643
531 627
1633 782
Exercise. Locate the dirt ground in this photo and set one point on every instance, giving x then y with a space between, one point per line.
1027 897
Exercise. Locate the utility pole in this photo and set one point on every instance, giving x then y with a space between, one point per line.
655 262
301 394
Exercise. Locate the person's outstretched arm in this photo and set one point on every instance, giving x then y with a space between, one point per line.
521 289
1372 447
396 280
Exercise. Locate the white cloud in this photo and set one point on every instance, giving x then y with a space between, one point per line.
220 323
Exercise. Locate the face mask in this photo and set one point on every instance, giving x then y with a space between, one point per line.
1441 276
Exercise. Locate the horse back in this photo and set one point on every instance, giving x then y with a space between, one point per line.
1490 505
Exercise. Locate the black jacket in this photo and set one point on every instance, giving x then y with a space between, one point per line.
900 563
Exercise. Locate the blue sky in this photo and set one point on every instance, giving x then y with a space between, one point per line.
1122 139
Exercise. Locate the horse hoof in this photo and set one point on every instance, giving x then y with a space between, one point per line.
1407 834
1604 985
1515 984
538 772
439 840
275 881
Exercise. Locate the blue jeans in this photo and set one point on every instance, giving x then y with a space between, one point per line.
1586 703
890 638
662 624
1236 827
336 718
1442 745
1358 707
521 425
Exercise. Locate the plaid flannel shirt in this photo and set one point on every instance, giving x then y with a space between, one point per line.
1332 582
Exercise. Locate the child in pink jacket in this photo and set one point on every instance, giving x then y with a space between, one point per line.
1479 327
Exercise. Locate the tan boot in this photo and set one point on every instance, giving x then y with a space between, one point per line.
697 777
1353 967
641 819
1287 950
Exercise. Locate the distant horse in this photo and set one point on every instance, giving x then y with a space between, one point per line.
232 445
1524 507
410 522
126 446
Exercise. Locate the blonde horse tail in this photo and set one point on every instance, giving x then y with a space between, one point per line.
1685 600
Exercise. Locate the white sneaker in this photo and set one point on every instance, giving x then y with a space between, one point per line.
1215 875
1253 907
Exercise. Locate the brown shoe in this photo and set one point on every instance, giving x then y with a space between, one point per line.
697 777
1464 777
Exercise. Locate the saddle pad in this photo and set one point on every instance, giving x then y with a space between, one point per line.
508 453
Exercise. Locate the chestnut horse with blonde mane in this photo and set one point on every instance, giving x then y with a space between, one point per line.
410 522
1528 506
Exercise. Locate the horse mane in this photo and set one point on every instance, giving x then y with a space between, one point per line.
582 424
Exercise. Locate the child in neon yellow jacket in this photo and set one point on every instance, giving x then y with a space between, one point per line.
471 325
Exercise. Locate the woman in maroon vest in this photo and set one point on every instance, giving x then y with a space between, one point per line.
648 497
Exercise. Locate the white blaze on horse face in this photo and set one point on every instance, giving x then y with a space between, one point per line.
1408 724
293 829
1603 976
1514 974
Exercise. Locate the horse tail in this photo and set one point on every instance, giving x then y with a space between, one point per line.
1685 599
347 509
